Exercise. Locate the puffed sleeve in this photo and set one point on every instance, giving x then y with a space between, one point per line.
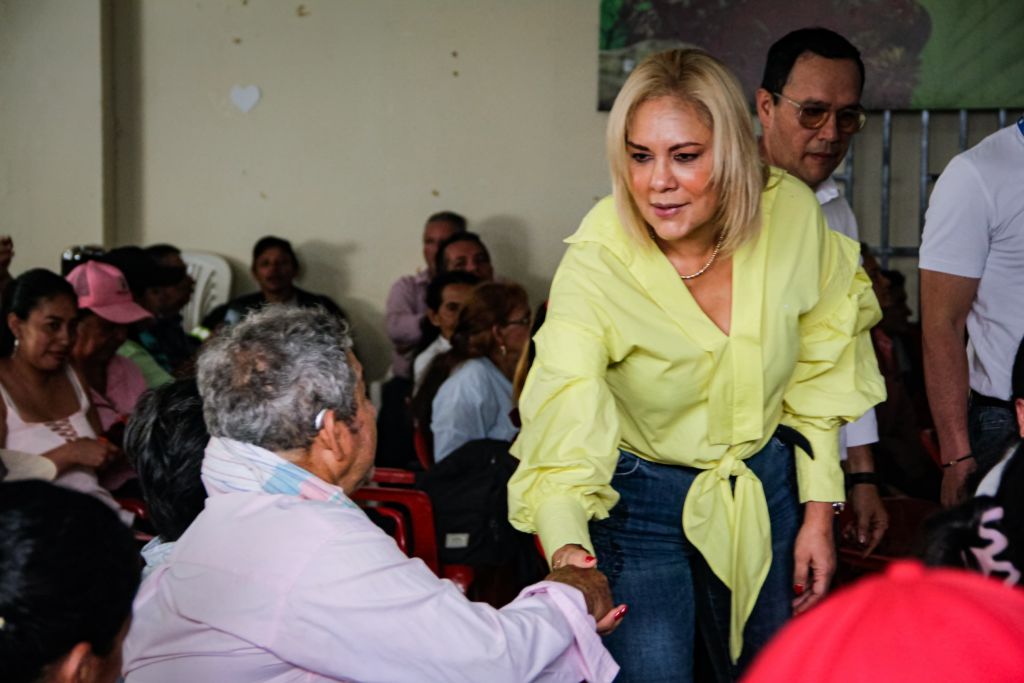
569 440
836 379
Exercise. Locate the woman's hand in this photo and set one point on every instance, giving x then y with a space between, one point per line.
93 453
815 556
573 554
596 593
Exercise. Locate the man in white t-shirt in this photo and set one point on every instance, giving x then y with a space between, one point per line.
972 277
809 107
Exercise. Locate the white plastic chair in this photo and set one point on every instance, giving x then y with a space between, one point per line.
212 275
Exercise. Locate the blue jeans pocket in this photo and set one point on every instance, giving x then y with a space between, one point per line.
627 465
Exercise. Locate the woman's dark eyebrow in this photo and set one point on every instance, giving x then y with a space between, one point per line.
673 148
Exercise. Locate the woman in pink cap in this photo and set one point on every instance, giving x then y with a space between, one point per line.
45 409
105 310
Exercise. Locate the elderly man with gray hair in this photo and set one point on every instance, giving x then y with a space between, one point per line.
283 578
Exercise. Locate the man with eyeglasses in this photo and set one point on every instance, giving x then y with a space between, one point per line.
809 107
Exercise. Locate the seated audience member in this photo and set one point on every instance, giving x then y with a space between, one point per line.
68 573
986 532
45 410
283 577
274 267
465 251
908 624
469 388
446 296
105 310
407 305
902 462
144 279
406 308
165 441
166 337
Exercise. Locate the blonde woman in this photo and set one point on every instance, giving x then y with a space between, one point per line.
702 322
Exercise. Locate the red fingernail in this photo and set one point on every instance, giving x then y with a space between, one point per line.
589 558
798 589
621 612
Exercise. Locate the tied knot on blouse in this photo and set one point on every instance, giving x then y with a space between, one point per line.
717 509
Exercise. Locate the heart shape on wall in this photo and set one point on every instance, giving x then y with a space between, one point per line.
245 97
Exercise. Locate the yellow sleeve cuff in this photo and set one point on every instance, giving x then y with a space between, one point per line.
561 521
821 478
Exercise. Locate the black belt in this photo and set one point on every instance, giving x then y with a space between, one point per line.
791 437
989 402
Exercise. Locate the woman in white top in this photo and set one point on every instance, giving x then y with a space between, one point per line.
45 409
467 394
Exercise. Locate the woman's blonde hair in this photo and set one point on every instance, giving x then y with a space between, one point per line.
701 81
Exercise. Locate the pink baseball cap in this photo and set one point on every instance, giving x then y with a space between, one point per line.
909 623
103 290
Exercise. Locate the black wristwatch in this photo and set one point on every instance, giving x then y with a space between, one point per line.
855 478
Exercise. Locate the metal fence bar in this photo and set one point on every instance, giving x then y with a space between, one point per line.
925 177
886 177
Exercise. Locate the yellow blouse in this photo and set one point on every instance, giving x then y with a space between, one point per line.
627 359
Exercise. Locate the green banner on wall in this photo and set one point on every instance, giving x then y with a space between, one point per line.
924 54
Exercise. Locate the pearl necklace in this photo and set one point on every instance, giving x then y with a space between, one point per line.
718 245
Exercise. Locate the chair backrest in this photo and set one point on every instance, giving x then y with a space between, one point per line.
212 275
421 514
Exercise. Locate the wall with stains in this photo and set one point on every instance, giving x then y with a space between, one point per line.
371 116
52 179
118 126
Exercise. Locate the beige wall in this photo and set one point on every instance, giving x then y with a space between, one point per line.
51 127
374 114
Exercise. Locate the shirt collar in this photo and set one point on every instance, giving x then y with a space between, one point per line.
827 190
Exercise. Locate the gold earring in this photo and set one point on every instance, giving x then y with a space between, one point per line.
504 350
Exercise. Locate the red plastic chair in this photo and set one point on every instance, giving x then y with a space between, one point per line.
930 443
416 506
394 476
421 441
141 511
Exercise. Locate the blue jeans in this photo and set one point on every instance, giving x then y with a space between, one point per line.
991 429
669 587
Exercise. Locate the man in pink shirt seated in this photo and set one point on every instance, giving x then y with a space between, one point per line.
283 578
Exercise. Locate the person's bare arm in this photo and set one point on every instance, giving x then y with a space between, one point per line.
945 302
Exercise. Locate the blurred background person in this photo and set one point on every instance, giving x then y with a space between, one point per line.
465 251
165 441
407 305
46 409
274 268
166 338
469 388
68 573
446 295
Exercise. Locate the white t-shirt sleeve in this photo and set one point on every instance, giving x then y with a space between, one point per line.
956 230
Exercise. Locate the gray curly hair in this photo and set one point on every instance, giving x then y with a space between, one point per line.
264 380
